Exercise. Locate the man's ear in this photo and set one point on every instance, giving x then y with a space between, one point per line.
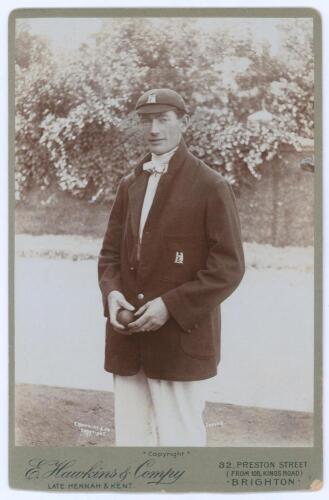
185 121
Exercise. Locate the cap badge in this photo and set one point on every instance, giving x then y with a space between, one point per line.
151 99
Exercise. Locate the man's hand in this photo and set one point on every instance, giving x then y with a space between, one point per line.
116 301
153 315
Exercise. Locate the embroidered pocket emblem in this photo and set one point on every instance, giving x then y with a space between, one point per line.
179 259
151 99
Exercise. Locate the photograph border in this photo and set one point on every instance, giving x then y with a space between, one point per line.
22 459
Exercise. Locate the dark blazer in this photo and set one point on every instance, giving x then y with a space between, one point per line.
191 255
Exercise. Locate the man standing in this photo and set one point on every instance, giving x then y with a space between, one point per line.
171 254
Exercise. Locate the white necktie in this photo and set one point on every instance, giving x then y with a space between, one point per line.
159 163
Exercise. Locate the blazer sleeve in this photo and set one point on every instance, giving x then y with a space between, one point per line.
191 301
109 278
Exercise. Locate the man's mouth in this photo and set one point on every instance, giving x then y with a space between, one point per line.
153 141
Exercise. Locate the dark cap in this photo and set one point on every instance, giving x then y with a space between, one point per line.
158 100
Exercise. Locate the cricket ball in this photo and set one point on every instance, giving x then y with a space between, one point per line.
125 317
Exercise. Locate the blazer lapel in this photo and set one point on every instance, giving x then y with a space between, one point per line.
136 192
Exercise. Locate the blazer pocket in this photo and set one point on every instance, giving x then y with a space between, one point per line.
183 256
198 344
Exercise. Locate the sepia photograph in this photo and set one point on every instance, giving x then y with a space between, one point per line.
230 103
164 232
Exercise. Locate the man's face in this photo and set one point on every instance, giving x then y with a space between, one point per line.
163 131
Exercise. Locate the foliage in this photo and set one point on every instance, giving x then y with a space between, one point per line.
76 130
34 88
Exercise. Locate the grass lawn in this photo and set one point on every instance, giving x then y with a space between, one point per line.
58 213
61 215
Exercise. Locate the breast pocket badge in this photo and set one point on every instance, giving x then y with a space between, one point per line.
179 258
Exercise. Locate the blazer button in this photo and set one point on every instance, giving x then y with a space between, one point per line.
140 296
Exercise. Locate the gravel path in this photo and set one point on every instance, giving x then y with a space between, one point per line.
54 416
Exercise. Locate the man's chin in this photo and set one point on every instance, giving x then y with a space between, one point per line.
158 148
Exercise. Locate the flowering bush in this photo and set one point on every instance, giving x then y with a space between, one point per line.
76 130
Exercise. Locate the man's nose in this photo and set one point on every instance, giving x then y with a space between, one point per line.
154 127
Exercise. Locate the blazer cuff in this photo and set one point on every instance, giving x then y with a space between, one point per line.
180 311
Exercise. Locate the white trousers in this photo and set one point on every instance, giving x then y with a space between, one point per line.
151 412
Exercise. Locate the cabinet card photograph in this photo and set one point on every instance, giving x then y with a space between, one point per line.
165 249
